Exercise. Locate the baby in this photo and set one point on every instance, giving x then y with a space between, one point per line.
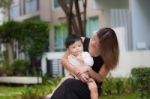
77 57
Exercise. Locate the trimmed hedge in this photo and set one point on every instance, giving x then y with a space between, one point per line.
142 78
112 86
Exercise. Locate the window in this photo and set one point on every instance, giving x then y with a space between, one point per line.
31 6
92 26
15 9
56 3
60 36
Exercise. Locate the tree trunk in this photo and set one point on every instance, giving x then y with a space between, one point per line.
9 54
74 19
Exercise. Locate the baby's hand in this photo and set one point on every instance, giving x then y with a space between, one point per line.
80 57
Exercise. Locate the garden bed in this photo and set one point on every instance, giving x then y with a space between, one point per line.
20 80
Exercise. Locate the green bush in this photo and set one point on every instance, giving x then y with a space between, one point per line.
142 78
40 91
118 85
129 85
108 86
20 68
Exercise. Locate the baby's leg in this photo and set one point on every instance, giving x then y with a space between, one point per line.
93 88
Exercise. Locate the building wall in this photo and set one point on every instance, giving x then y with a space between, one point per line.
107 5
129 59
45 10
140 23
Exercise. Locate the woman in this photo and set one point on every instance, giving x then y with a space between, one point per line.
103 47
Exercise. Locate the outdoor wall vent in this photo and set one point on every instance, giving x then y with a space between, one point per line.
141 46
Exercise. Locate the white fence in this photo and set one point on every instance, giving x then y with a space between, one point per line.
55 66
20 80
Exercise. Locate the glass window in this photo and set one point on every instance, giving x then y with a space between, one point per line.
60 36
56 3
92 26
31 6
15 9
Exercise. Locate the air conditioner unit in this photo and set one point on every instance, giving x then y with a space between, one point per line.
141 46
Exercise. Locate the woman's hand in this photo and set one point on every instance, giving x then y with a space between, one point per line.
84 77
100 75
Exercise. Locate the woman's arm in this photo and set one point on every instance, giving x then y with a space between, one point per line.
100 75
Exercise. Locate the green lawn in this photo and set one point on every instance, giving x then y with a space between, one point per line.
125 96
7 90
10 92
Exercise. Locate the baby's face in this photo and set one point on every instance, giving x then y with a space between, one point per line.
76 48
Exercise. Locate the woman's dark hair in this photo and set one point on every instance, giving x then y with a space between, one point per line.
109 47
71 39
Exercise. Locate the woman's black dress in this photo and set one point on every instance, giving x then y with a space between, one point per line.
76 89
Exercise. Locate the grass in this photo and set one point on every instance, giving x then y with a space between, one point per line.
11 92
124 96
16 91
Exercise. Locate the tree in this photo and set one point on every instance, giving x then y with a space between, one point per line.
6 5
34 39
7 36
31 36
74 18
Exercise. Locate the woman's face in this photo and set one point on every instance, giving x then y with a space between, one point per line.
94 46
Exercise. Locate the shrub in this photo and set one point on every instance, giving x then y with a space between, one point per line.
20 68
108 86
119 84
142 78
129 85
40 91
116 85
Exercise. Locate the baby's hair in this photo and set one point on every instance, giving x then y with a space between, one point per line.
71 39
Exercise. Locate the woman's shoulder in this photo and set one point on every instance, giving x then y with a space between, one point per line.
84 38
